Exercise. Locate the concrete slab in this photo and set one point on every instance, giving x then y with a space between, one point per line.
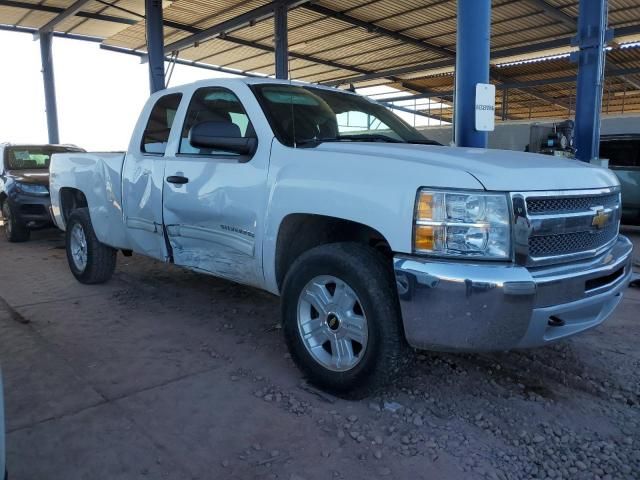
238 435
118 351
42 277
40 384
97 443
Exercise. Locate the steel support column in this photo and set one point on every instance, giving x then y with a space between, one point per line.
472 67
48 79
155 44
505 106
591 39
281 41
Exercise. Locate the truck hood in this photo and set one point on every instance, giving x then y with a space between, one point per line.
501 170
37 176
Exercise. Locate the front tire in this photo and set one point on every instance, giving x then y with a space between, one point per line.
14 230
90 261
341 319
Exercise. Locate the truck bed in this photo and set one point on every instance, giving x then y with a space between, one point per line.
98 175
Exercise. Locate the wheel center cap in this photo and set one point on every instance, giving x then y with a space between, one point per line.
333 322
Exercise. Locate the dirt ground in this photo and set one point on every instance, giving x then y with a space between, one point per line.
166 374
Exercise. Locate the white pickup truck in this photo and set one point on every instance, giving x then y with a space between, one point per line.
375 238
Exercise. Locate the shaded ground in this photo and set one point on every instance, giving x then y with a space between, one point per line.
164 373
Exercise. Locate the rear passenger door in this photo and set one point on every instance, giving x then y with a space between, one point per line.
143 179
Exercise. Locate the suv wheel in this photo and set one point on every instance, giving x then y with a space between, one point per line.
90 261
341 319
14 230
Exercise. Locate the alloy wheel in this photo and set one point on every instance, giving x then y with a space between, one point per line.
332 323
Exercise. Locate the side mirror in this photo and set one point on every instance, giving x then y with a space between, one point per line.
222 136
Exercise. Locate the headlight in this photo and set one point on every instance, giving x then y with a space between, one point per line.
31 188
462 224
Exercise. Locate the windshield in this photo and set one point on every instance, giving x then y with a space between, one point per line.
323 115
32 157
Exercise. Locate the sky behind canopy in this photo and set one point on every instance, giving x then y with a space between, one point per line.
99 93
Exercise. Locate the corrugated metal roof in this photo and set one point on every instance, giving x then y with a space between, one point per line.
328 41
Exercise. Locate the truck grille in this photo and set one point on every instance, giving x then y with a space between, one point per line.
564 226
546 245
540 206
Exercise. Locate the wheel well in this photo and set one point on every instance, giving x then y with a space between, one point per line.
299 233
71 199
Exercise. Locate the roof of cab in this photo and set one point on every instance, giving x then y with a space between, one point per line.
246 81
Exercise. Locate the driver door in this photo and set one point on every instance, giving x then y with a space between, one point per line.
214 199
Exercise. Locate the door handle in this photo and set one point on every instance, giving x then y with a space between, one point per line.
178 179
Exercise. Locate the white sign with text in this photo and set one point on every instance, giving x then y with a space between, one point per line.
485 107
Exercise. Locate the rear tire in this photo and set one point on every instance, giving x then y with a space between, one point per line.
90 261
14 230
377 352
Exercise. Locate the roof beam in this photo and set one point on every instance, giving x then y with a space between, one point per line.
373 28
179 61
506 52
531 91
421 113
555 13
70 11
329 63
58 10
572 23
247 18
515 85
300 56
32 31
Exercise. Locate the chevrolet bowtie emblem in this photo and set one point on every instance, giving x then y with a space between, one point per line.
600 219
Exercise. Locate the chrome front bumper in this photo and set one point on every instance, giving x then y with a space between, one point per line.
456 306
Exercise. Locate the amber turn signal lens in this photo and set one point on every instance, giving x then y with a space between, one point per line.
425 237
425 207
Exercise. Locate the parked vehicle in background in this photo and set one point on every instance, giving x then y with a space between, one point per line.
374 238
24 187
623 152
3 450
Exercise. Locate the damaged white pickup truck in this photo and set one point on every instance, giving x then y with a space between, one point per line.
375 238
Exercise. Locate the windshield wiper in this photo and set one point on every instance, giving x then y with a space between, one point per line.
426 141
313 142
368 138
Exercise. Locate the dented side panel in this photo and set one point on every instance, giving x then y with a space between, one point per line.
212 221
142 193
98 177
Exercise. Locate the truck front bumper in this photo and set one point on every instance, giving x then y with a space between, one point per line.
456 306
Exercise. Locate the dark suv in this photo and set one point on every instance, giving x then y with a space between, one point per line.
24 187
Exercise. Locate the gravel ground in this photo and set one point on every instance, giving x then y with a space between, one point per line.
164 373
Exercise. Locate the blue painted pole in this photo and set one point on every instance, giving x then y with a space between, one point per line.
155 44
281 41
591 39
46 56
472 67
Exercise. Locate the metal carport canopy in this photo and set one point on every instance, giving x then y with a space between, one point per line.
409 45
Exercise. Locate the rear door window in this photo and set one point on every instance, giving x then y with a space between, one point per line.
156 133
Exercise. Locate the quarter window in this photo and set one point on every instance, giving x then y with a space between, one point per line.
215 104
156 133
